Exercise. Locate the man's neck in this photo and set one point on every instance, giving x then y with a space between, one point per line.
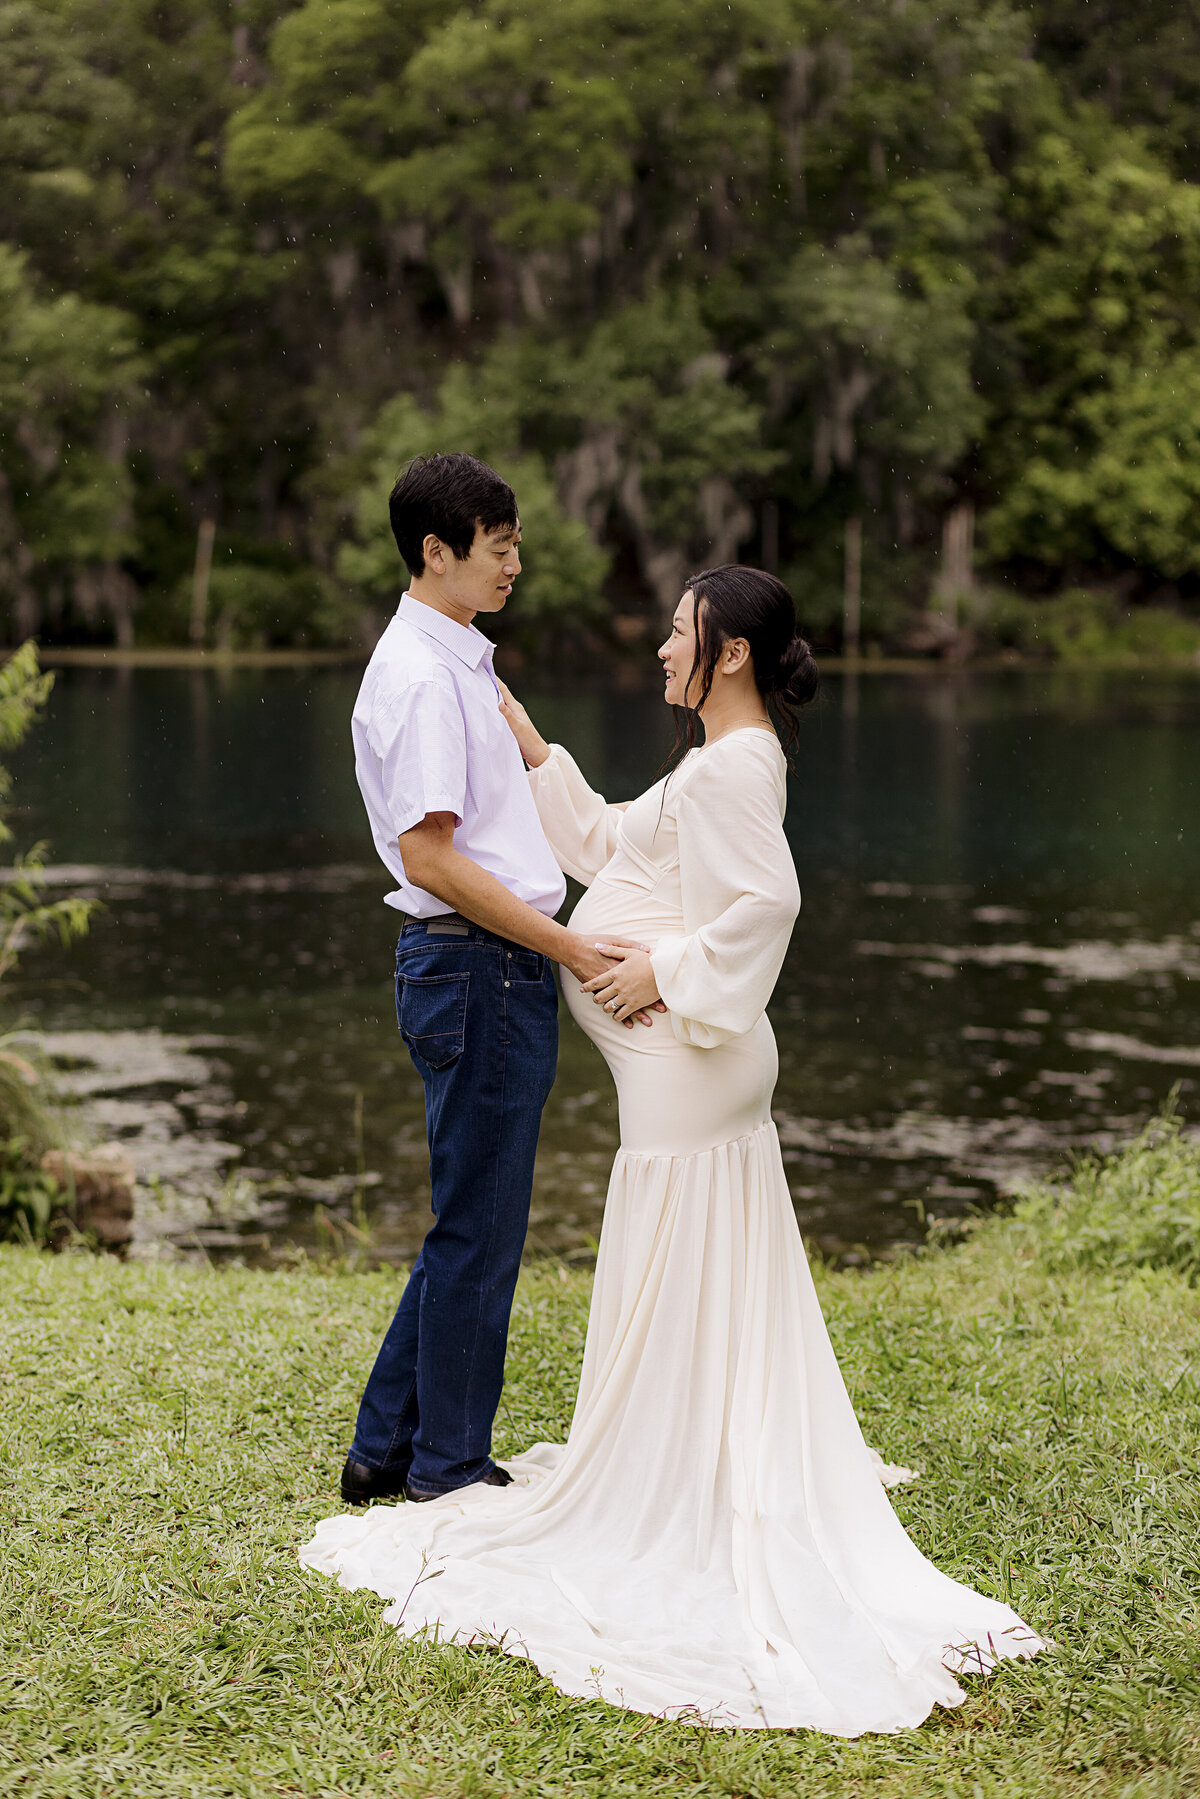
427 593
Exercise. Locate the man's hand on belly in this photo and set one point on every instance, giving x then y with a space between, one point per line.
593 963
627 986
432 862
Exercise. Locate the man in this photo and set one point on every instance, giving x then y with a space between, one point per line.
454 823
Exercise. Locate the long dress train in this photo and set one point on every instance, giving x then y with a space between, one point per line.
714 1540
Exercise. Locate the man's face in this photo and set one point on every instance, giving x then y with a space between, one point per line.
483 582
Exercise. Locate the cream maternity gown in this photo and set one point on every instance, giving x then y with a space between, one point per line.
714 1540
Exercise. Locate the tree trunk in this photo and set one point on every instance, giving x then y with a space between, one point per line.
770 536
198 628
852 601
956 579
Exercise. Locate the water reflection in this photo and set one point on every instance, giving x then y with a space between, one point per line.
996 959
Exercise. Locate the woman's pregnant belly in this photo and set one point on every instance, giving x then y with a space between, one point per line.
673 1100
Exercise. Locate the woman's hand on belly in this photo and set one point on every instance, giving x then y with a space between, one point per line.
628 987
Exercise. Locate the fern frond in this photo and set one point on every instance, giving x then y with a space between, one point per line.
24 690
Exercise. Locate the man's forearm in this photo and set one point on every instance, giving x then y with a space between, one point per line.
479 896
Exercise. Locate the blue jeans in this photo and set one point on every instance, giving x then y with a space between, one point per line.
480 1019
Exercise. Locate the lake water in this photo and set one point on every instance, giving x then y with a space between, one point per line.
996 961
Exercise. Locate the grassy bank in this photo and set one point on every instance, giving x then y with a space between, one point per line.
168 1435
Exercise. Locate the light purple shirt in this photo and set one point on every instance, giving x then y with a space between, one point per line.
429 737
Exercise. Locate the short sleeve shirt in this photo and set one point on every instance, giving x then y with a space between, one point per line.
429 737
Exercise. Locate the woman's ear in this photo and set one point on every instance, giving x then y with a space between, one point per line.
735 654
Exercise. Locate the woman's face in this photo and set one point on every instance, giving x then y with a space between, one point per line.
678 654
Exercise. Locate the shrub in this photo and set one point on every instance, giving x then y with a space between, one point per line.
1139 1208
28 1122
1083 625
258 604
30 1201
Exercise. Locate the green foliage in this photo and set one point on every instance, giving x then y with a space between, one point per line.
651 387
519 132
31 1202
563 569
1144 63
265 603
67 373
638 422
23 912
113 113
28 1123
894 584
1138 1209
23 1110
23 693
847 322
1085 625
727 273
1099 451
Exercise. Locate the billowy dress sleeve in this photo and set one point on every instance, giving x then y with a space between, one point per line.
739 890
580 826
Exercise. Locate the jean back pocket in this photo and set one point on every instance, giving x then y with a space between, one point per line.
431 1010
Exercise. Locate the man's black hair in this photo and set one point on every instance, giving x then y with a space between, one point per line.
447 496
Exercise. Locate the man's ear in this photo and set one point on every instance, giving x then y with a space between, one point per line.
434 551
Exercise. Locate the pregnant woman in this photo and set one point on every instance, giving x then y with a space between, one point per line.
714 1540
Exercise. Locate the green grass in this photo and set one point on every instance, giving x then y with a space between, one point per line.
169 1435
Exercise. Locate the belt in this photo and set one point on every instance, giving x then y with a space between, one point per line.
452 924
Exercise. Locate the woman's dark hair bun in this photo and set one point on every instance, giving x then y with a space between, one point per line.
795 677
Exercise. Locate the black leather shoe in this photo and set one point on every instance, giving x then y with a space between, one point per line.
360 1483
496 1477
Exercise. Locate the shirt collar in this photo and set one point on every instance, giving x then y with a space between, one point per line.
463 641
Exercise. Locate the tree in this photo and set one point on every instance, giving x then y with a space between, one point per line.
67 383
871 370
759 268
634 428
1141 63
1095 450
113 114
652 436
560 585
527 156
